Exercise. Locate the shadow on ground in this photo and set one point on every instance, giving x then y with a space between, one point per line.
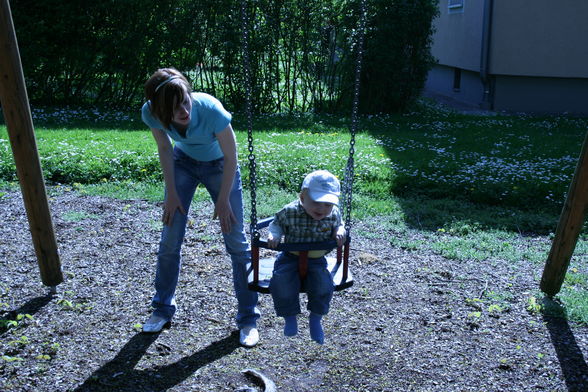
31 307
120 374
571 359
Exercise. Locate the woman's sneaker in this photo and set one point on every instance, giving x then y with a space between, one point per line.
156 324
248 336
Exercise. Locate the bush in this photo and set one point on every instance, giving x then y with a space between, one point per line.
301 51
397 54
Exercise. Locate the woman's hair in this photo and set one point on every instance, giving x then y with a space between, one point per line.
164 89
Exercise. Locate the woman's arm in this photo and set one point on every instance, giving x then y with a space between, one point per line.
222 209
172 201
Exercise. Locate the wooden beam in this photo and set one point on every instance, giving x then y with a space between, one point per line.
568 229
17 114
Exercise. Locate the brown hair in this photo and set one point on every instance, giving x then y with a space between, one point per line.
164 88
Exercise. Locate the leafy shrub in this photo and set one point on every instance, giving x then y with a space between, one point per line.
301 51
397 56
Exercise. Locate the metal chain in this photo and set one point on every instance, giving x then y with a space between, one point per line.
252 165
349 169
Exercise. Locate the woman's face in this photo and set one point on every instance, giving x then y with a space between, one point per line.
182 110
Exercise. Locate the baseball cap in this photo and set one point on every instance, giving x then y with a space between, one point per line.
322 187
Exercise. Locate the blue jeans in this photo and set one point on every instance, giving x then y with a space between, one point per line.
285 285
188 174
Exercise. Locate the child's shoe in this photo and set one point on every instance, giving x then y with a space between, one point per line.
316 329
291 326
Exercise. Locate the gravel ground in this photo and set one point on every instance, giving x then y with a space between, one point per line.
413 321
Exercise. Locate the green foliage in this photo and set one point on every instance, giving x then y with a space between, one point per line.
533 305
416 163
77 216
302 52
576 302
552 308
67 303
9 358
573 294
6 324
21 341
126 190
84 156
397 55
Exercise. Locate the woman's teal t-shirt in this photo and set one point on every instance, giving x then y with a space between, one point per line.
208 118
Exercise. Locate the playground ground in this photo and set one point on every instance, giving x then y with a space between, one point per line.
413 321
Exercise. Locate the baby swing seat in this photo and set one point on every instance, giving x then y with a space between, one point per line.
260 270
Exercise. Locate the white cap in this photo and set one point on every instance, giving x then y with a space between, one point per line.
322 187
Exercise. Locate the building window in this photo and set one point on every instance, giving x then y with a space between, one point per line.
455 6
456 80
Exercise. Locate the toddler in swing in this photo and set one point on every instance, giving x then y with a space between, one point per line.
313 217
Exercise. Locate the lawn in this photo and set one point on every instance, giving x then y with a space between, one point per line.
453 217
472 185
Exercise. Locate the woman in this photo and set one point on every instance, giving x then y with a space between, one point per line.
205 152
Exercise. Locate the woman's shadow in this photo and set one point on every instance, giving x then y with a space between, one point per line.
120 375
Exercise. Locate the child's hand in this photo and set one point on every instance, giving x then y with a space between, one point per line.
272 242
340 236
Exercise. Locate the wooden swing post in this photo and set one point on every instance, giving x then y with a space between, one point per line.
568 229
17 115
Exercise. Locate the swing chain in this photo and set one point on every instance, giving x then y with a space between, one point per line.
248 108
349 169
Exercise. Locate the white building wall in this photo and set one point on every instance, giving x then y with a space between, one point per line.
457 41
540 38
538 55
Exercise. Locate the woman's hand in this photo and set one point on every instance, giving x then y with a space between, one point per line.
340 236
224 212
171 204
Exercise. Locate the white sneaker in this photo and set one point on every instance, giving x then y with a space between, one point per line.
155 324
248 336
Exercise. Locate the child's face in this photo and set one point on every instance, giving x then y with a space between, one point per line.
182 110
316 210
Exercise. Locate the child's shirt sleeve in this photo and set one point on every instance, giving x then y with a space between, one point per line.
275 230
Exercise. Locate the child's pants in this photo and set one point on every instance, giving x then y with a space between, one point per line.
285 285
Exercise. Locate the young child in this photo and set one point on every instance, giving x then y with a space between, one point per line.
314 217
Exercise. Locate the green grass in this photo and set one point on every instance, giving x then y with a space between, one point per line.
524 162
573 293
469 188
78 216
125 190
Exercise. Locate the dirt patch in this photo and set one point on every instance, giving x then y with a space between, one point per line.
412 321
